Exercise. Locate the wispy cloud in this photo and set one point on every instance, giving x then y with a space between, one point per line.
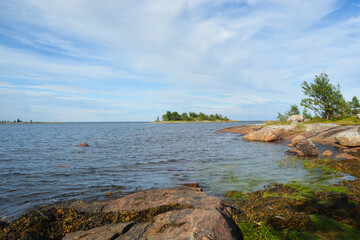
136 59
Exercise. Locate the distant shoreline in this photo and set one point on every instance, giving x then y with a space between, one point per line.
206 121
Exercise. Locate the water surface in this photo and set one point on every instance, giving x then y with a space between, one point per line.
40 163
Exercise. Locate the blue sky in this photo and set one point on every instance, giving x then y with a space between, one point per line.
127 60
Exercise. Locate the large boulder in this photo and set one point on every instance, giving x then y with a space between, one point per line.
295 118
265 135
350 139
206 217
307 147
270 133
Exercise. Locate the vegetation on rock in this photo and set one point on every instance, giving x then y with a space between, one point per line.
56 222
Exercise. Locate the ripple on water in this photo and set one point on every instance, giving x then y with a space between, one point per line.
40 163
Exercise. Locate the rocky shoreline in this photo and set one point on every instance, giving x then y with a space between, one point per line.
305 211
345 138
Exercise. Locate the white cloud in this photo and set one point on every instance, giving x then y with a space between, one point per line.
178 55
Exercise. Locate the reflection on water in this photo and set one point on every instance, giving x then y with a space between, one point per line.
39 163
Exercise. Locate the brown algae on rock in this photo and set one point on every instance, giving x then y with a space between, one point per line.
56 222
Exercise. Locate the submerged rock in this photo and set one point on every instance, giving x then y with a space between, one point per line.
350 138
83 145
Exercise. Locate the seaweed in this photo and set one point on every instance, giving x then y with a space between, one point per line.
56 222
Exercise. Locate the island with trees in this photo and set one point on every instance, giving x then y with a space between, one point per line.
170 117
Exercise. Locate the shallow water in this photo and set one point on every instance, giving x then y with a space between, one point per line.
40 163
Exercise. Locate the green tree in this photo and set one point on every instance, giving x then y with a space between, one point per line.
175 116
354 105
323 97
294 110
193 115
166 116
306 114
203 116
344 108
185 117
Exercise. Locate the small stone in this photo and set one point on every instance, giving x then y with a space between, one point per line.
83 145
327 153
358 116
193 185
108 194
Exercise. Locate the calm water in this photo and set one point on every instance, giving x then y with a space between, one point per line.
40 163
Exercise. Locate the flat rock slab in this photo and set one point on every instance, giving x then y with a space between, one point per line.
207 218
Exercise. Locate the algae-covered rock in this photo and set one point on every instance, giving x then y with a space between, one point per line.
174 213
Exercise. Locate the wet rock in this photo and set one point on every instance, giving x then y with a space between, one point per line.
349 138
83 145
295 151
327 153
295 118
207 217
195 186
307 147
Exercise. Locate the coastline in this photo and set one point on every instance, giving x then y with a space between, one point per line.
305 211
206 121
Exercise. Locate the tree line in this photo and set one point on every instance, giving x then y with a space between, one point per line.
192 116
324 100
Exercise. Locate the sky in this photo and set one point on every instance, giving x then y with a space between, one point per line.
133 60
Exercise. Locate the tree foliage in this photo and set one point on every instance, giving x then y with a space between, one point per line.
324 98
175 116
354 105
294 110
